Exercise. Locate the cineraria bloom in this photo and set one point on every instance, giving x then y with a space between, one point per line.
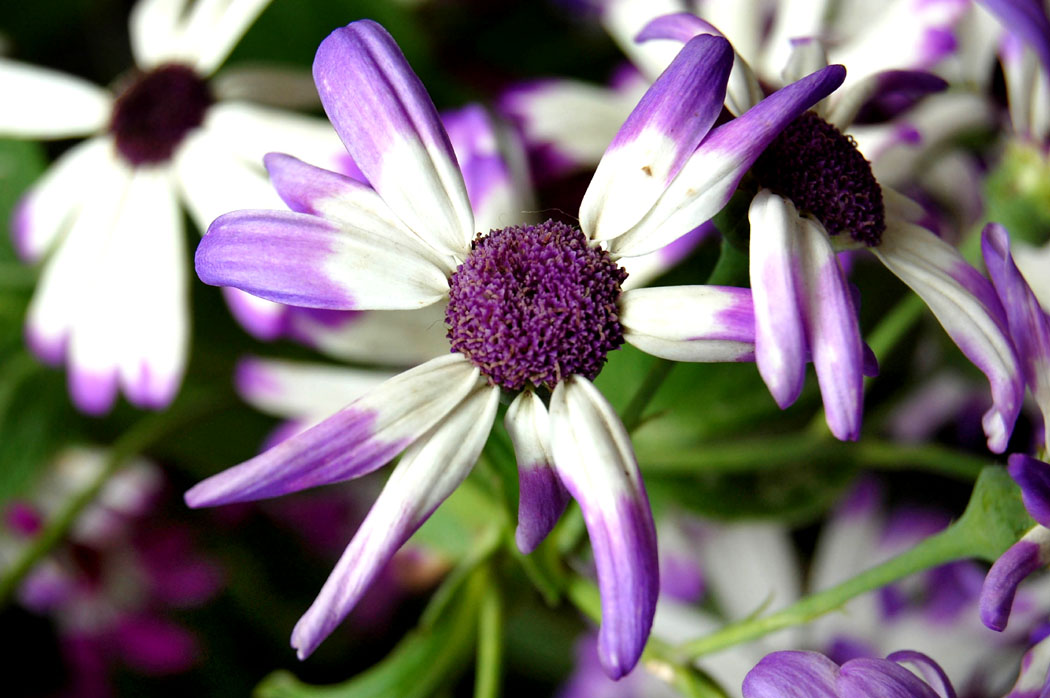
922 33
903 674
818 196
110 589
532 311
112 297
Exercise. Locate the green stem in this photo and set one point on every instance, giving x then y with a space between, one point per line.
951 544
490 644
779 451
994 519
658 372
145 432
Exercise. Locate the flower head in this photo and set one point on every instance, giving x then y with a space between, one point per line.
112 298
557 286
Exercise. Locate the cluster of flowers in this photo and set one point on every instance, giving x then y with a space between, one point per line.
413 250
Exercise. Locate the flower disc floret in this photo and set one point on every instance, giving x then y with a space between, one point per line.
156 111
812 163
534 304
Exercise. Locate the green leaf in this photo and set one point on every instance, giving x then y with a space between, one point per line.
423 662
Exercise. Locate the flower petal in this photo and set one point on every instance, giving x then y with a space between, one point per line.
878 678
566 124
743 90
1032 680
794 21
214 27
250 131
426 475
658 138
1028 21
496 195
710 176
1033 476
929 670
792 674
293 389
304 260
1000 586
965 304
43 103
775 261
47 209
690 323
154 29
383 337
390 127
833 331
922 33
542 496
594 458
355 441
261 318
644 268
623 19
1029 325
151 293
214 180
336 197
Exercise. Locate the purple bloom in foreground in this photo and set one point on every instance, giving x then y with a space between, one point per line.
410 241
903 674
818 196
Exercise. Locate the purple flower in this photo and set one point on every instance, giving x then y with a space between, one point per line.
818 196
409 241
795 674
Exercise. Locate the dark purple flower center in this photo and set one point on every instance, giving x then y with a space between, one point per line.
156 111
534 304
812 163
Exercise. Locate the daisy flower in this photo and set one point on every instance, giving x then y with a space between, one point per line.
532 312
818 196
112 297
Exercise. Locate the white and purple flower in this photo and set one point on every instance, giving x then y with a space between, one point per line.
532 310
112 298
819 196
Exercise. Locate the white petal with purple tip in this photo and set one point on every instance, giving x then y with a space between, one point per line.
793 20
965 304
390 127
833 331
710 176
775 265
1029 324
594 458
336 197
428 473
362 437
67 278
1034 667
542 496
295 389
624 19
657 139
148 256
47 209
690 323
43 103
298 259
